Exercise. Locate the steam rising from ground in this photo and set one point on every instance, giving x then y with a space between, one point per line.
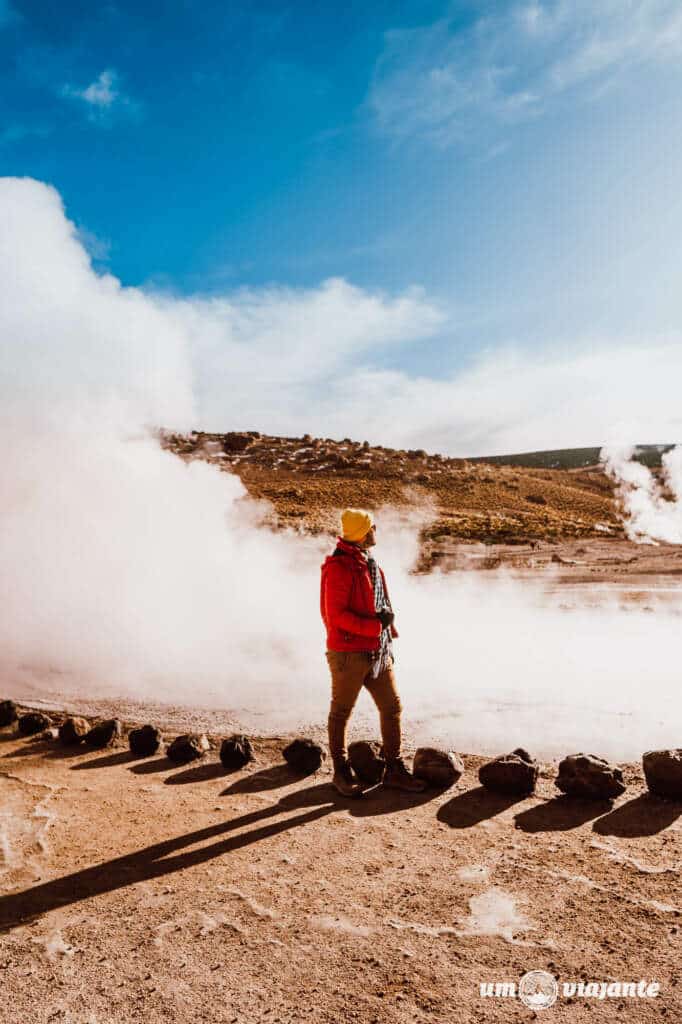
653 508
127 572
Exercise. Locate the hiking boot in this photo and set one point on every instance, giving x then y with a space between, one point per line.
344 782
398 776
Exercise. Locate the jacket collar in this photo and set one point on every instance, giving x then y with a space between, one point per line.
351 549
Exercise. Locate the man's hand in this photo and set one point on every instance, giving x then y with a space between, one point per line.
385 617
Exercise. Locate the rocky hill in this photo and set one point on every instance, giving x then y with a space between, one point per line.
308 479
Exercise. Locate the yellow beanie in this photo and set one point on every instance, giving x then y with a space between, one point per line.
356 524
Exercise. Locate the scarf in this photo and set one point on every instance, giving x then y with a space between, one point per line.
383 657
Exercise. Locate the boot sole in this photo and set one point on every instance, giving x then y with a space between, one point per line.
348 796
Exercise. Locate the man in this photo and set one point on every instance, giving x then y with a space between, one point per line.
357 614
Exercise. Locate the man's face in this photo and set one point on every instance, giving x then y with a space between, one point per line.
369 540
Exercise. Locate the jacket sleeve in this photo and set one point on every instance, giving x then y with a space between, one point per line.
336 590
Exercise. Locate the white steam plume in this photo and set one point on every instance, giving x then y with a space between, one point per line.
652 508
126 572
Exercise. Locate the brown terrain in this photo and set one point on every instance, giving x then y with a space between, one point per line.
137 891
481 516
307 480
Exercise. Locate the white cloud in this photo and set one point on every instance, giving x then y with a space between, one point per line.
324 360
101 96
99 249
510 65
103 91
517 400
68 337
282 350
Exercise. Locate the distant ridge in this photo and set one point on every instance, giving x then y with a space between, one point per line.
572 458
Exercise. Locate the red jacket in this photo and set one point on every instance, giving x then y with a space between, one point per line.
347 601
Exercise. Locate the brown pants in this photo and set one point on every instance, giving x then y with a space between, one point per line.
351 671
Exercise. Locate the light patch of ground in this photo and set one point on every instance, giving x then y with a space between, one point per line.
495 912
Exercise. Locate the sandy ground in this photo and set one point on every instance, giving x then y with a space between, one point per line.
620 563
138 891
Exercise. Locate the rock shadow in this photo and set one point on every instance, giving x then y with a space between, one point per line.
58 751
644 815
560 814
475 805
117 757
197 773
147 766
33 746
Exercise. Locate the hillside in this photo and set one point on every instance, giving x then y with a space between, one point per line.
308 480
573 458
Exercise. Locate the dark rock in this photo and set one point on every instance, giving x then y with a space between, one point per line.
145 741
440 768
304 756
8 712
33 722
73 731
188 747
663 772
366 760
510 773
104 734
236 752
236 442
589 777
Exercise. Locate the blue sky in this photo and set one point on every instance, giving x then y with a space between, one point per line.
519 162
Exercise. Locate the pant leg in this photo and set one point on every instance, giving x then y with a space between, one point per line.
385 694
348 671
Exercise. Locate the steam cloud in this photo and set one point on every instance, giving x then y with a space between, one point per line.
126 572
652 508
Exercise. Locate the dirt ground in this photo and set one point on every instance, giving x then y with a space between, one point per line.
139 891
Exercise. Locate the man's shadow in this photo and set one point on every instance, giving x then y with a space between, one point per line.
314 802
